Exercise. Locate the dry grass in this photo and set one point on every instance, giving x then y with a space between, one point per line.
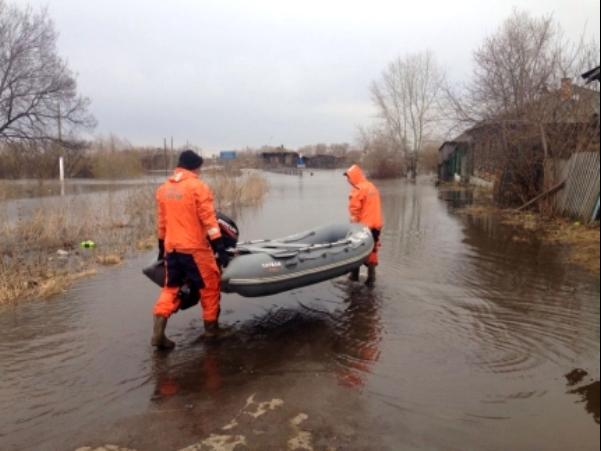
147 243
583 242
109 259
106 164
119 223
39 250
31 282
233 191
57 285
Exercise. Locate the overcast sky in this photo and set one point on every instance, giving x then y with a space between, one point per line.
227 74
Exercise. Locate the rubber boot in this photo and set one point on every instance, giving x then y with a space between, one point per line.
159 340
211 330
354 276
214 331
371 276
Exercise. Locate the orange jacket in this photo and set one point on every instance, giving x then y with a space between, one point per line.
185 213
364 202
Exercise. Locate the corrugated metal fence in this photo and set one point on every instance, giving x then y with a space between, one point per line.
579 197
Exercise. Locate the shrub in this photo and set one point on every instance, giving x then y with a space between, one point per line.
117 164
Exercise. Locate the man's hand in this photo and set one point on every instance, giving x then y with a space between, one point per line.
161 250
223 258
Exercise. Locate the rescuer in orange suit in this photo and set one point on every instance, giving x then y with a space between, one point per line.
365 208
189 238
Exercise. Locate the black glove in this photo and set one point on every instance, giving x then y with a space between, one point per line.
223 258
376 234
161 250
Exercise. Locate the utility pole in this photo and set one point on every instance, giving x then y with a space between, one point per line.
60 124
165 154
61 160
172 154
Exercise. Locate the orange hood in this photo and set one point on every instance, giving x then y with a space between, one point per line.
181 174
355 175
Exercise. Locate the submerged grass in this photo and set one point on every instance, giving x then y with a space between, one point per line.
40 252
582 241
232 191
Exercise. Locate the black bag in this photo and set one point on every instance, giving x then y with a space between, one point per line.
188 297
156 272
184 273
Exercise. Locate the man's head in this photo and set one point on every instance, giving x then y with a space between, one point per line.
190 160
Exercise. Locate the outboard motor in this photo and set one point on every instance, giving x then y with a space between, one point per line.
229 231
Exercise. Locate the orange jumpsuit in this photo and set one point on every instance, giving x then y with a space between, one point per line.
365 207
185 218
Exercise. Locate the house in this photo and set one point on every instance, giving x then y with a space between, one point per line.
324 162
280 159
453 159
512 150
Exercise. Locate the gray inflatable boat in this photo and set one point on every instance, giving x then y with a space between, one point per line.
267 267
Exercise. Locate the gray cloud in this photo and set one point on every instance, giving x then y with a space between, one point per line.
225 74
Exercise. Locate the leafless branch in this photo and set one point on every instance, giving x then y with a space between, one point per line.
37 90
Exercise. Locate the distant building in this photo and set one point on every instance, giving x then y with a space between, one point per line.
282 159
228 155
325 162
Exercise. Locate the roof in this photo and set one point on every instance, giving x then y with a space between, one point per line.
464 138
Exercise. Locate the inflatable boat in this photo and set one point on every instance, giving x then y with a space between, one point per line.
266 267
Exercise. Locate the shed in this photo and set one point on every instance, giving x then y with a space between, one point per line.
454 159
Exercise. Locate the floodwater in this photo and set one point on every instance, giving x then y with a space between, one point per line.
473 339
21 198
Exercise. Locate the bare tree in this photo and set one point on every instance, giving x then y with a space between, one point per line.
522 107
516 66
381 157
406 98
38 92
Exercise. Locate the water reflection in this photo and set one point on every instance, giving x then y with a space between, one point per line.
344 342
457 198
357 335
589 393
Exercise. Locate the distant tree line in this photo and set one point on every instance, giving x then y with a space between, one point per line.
105 157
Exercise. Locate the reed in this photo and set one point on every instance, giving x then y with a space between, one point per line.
40 252
233 191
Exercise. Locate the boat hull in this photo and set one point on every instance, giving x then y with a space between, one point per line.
273 266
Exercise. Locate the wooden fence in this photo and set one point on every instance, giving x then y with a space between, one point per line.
580 195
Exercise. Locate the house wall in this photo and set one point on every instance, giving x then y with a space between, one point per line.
487 154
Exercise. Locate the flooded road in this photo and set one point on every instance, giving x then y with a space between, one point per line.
472 339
